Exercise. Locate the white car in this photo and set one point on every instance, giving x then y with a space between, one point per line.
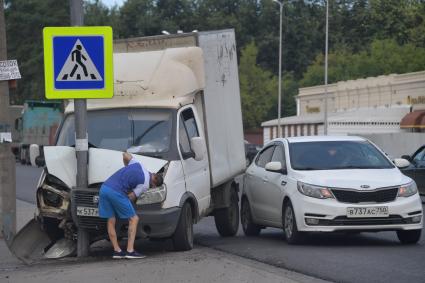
326 184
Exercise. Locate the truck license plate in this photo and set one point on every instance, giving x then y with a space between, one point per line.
87 211
371 211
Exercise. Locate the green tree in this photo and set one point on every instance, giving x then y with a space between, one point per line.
258 88
25 20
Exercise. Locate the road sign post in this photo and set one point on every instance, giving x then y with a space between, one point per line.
78 65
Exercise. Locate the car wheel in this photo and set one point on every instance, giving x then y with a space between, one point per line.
249 227
183 236
407 237
293 236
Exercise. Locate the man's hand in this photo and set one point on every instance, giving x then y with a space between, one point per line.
126 157
132 196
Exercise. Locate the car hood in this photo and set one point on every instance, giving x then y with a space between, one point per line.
354 178
61 162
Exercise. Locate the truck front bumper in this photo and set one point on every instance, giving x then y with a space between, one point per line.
159 223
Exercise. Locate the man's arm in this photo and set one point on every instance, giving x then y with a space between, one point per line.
126 157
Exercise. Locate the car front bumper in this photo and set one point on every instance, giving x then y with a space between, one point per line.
159 223
331 215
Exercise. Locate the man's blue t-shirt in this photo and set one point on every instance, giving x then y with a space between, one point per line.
128 178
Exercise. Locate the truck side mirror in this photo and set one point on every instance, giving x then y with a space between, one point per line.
34 153
198 146
407 157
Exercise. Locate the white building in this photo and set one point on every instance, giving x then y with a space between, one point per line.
384 104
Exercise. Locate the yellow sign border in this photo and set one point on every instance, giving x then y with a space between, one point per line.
51 92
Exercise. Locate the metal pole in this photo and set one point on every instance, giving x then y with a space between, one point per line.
279 102
326 70
81 136
7 160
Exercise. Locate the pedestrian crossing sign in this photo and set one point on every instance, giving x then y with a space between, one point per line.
78 62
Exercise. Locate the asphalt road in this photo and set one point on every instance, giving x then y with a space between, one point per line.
365 257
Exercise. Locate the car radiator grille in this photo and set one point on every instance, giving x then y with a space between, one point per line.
86 198
377 196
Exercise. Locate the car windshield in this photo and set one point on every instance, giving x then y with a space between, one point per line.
331 155
144 131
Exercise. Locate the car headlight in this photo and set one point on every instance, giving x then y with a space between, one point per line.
314 191
154 195
407 190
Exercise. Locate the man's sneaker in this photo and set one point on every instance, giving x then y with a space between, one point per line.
134 254
119 255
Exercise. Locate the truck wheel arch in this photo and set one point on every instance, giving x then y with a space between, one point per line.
191 199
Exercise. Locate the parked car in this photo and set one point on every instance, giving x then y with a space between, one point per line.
326 184
250 151
416 169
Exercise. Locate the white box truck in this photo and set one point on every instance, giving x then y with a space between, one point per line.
176 108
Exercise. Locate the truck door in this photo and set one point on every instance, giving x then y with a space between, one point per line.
196 172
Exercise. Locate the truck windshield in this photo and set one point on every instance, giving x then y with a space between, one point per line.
331 155
142 131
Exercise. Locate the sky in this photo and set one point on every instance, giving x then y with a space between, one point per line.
111 3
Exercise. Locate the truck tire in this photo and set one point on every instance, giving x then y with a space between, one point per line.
183 236
249 227
227 219
409 237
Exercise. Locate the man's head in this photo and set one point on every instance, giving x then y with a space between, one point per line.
156 180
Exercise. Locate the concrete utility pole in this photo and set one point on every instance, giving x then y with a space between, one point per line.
81 142
7 160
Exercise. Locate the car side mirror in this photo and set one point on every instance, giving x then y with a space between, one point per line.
407 157
198 147
276 167
34 153
401 163
40 161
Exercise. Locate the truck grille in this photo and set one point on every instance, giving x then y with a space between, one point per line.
378 196
88 198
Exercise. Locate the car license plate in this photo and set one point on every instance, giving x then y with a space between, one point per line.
87 211
371 211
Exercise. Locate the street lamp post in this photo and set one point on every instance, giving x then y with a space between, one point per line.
325 122
279 131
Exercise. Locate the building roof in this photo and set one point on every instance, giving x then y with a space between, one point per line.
305 119
379 114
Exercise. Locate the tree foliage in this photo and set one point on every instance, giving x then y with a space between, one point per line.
366 38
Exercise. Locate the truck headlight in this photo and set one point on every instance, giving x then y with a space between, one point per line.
154 195
407 190
314 191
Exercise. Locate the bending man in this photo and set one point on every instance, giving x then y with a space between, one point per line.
115 197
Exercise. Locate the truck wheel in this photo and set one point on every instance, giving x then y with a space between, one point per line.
249 227
183 236
293 236
227 219
407 237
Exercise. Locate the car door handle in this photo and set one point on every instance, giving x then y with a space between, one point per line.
265 180
283 183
